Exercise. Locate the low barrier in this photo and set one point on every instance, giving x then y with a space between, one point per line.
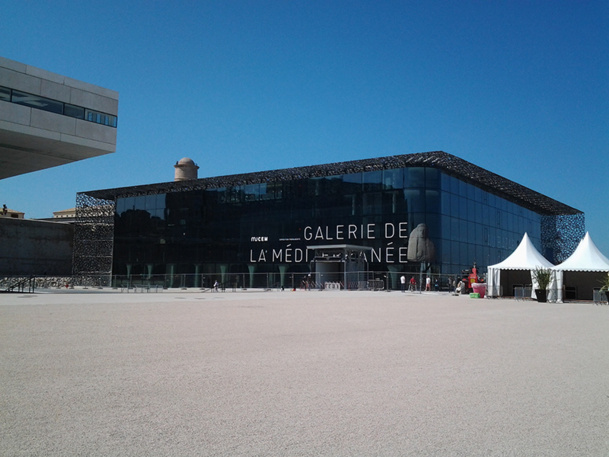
141 289
206 282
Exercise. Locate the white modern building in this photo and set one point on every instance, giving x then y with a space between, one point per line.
47 119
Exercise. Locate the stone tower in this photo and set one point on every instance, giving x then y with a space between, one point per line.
186 169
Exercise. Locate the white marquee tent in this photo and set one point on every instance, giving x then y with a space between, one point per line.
586 258
525 257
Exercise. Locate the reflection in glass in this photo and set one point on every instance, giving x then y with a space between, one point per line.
35 101
372 180
415 199
415 177
393 179
432 177
74 111
432 201
140 202
5 94
355 178
216 226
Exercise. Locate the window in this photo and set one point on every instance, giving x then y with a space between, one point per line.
100 118
393 179
252 192
372 180
150 202
120 205
350 205
432 201
160 201
140 202
416 177
355 178
445 203
471 192
34 101
454 230
129 203
454 185
57 107
372 203
5 94
74 111
415 199
432 177
454 206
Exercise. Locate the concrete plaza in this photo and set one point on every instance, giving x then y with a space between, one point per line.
333 373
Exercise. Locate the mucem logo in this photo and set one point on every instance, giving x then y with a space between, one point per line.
259 239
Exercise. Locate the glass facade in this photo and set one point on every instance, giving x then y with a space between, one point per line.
479 226
405 218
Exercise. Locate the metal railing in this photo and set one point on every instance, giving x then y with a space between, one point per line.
18 284
600 297
522 292
222 282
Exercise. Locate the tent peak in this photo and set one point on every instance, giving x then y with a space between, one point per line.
525 257
586 257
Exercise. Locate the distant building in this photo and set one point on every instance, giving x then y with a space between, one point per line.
185 169
430 212
65 214
13 214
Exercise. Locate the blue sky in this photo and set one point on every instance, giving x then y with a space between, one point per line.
520 88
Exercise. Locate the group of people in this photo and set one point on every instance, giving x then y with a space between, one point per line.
464 285
412 285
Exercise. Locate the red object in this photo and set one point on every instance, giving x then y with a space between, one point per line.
471 279
479 288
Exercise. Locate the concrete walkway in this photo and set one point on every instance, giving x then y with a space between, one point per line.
175 373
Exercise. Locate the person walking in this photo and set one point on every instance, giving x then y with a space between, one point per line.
413 284
403 283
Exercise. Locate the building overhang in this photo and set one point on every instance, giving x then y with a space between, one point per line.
35 137
24 149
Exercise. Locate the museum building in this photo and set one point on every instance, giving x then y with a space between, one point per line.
343 222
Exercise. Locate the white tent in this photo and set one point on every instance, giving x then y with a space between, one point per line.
586 258
524 257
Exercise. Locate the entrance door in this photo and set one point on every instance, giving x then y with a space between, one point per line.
326 272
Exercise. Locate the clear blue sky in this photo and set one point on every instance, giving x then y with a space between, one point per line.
518 87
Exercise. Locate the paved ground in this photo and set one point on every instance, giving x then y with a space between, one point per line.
301 374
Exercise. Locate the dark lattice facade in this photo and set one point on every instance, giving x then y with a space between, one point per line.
93 238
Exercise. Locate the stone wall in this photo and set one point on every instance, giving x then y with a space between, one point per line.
30 247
